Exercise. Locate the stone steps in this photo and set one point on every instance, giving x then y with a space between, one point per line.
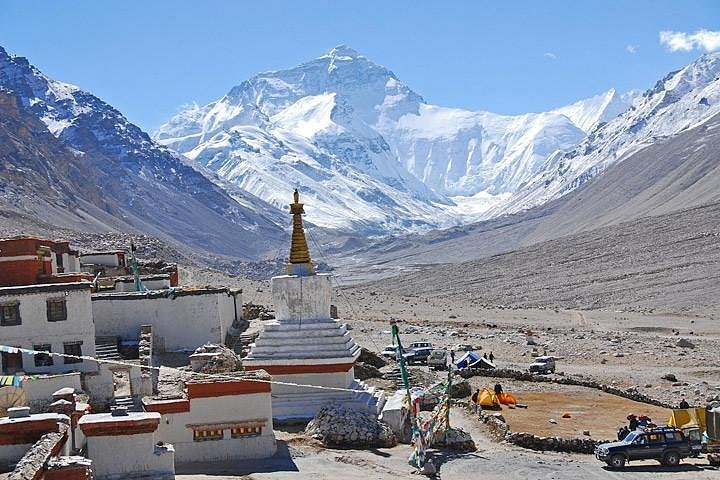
128 402
106 348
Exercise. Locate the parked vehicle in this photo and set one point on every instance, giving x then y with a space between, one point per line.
421 351
391 352
667 445
543 365
437 359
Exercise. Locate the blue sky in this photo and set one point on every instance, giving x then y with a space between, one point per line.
149 57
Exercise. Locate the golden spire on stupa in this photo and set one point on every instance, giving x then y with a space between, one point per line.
300 263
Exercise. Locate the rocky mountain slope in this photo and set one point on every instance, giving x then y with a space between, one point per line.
75 161
673 174
678 102
669 262
367 151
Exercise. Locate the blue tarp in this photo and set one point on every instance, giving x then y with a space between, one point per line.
467 359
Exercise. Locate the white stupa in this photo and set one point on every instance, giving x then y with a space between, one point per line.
304 345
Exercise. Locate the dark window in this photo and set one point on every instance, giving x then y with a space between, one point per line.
43 359
56 310
59 261
10 314
11 363
73 348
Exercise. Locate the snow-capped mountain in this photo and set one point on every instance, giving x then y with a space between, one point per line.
146 186
678 102
365 149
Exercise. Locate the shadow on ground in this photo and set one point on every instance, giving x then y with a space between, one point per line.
282 461
659 469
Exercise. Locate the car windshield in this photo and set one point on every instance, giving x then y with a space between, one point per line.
630 437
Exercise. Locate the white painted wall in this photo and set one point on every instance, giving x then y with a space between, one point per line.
301 298
122 456
231 408
338 379
129 285
36 330
108 260
179 324
39 391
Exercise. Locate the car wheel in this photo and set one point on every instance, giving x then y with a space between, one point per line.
617 461
671 459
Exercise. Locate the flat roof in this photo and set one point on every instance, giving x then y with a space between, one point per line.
109 418
164 293
108 252
45 287
35 417
172 382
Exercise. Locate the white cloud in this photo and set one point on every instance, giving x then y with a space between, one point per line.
550 55
682 41
631 49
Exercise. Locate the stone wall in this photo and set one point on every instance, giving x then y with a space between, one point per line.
32 465
630 393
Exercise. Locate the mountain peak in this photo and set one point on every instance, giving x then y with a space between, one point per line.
342 51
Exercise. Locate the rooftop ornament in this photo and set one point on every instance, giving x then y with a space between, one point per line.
300 263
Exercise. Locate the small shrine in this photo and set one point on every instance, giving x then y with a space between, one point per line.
303 345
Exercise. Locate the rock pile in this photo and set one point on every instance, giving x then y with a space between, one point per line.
456 439
368 365
223 359
364 371
371 358
343 427
460 389
252 311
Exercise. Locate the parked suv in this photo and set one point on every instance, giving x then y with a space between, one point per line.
421 351
543 365
438 359
667 445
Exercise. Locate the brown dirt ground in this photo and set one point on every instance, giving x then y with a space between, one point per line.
599 412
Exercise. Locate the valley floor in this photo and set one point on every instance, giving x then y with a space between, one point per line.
300 459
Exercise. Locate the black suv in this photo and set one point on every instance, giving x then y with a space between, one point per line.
665 444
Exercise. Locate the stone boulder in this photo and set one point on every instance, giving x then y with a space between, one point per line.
685 343
457 440
342 427
215 359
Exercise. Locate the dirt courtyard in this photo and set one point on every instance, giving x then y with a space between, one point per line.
600 413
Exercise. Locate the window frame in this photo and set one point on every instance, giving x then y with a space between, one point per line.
56 301
3 319
67 360
48 359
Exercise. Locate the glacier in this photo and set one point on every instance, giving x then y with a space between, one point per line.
369 154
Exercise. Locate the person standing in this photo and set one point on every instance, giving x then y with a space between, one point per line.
633 422
684 403
491 357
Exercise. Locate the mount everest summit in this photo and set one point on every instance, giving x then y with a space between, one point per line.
368 152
